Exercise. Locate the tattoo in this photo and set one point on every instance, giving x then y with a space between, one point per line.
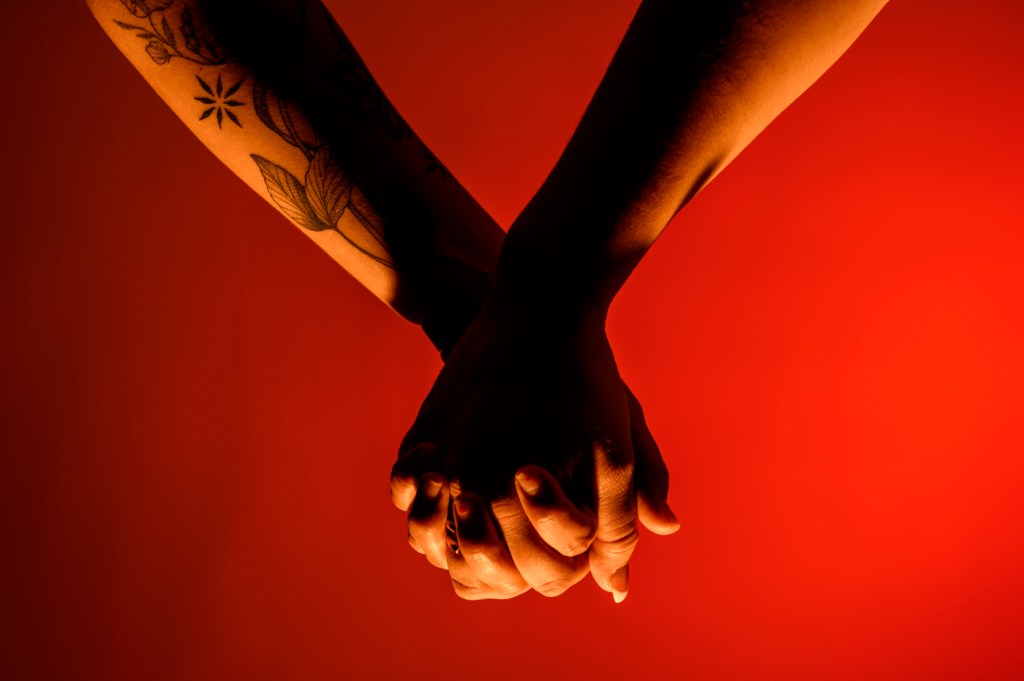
170 33
275 113
328 193
219 101
320 204
394 230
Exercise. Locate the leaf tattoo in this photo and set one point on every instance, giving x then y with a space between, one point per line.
289 195
168 33
320 204
328 189
275 113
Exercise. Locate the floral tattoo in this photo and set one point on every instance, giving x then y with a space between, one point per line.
393 229
170 32
220 101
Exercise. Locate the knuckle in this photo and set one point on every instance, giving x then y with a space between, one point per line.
510 518
436 559
469 592
619 550
494 588
620 539
508 590
554 587
419 526
627 542
485 557
618 526
567 534
576 548
490 566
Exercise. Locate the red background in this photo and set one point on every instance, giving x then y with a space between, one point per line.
199 409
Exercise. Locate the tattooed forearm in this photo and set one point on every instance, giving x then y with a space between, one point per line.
328 200
350 164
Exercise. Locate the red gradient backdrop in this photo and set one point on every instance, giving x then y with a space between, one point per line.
199 409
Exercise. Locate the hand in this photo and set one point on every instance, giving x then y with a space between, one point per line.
525 420
547 510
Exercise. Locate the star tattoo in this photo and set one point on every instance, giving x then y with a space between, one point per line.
218 101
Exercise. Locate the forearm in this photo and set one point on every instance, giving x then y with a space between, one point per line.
275 90
693 82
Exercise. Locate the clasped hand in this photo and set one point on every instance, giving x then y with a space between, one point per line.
529 461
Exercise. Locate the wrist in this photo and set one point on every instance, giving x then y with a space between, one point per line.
456 296
536 280
542 306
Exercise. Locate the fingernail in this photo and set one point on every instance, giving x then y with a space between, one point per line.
462 508
431 487
528 483
620 583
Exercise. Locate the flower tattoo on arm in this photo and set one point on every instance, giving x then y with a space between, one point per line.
219 101
170 33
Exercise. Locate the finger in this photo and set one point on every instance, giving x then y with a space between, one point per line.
482 558
406 472
474 590
650 475
558 521
616 522
426 519
542 567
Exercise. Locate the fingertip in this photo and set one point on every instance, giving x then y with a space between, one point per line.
406 472
430 486
615 582
472 525
403 491
528 480
658 518
538 489
619 583
468 521
600 574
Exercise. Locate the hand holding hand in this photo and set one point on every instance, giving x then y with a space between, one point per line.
538 401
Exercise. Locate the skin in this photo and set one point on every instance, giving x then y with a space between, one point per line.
264 88
693 82
529 419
